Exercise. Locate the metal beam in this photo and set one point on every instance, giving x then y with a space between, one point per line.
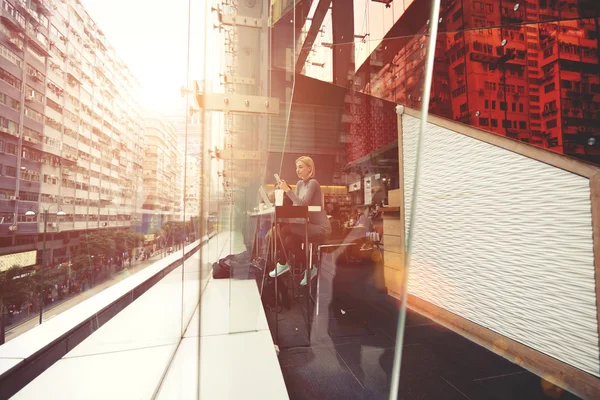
233 20
232 154
239 79
342 21
315 26
238 103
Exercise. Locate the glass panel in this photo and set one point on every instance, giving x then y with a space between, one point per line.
92 181
238 135
344 117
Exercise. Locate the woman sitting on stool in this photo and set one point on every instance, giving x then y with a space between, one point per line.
307 193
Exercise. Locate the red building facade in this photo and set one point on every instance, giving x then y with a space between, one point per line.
527 70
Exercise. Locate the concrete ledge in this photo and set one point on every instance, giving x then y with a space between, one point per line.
29 355
148 351
226 354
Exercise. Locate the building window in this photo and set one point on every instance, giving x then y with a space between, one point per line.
458 92
35 74
520 107
565 84
36 116
493 104
10 148
549 88
10 56
514 106
10 102
522 125
10 79
490 86
9 126
484 121
487 104
10 171
37 96
494 123
503 106
506 124
456 15
551 124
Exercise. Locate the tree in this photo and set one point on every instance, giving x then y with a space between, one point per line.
81 263
98 243
52 276
14 289
126 241
173 232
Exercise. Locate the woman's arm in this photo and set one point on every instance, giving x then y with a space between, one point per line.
311 189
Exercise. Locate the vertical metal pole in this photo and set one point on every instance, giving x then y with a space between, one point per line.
275 236
307 263
318 281
43 265
435 11
20 132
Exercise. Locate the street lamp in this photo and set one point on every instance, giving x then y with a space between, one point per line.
59 213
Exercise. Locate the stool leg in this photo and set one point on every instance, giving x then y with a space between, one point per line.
292 266
309 268
318 277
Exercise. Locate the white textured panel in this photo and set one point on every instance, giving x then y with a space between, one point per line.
504 241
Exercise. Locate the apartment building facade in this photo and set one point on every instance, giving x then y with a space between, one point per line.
525 69
71 131
190 141
163 170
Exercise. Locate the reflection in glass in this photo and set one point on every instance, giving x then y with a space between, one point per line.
93 190
501 74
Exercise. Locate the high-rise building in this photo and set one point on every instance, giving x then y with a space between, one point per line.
522 69
162 175
190 142
70 128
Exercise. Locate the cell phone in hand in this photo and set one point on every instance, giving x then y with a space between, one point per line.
277 178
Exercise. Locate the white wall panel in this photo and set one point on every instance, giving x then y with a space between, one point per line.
504 241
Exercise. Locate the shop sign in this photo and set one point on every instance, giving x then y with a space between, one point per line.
354 186
23 259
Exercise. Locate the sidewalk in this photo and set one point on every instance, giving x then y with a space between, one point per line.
54 309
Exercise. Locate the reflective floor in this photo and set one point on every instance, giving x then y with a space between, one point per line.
351 352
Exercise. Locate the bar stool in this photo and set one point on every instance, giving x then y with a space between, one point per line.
318 247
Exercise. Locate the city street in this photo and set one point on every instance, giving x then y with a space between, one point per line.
53 310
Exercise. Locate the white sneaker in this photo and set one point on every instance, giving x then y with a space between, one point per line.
281 269
313 273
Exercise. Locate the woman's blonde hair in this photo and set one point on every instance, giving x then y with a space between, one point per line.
309 162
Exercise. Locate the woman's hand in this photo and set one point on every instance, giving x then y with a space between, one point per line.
284 186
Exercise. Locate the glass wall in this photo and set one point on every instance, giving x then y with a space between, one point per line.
276 193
